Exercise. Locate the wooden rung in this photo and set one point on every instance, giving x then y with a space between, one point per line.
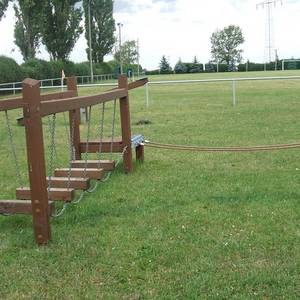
107 165
74 183
20 207
94 146
55 194
91 173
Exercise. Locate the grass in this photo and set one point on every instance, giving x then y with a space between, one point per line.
182 225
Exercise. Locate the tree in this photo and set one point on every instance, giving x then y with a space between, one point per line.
129 53
102 28
61 28
225 45
3 7
195 61
164 65
180 67
27 27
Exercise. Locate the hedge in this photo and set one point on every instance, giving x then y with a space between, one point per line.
40 69
10 71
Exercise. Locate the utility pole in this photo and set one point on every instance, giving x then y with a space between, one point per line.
90 43
138 57
120 25
269 43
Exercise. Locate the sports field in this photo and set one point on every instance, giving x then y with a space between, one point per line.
183 225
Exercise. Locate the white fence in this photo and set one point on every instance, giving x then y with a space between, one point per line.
233 81
54 82
81 84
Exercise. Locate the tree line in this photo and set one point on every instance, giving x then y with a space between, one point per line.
226 55
57 25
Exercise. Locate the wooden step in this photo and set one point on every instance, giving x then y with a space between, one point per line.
107 165
20 207
94 146
55 194
75 183
91 173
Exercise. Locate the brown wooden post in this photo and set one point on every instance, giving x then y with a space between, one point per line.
74 117
36 161
125 125
139 151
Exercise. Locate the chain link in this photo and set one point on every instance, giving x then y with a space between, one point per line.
113 129
52 150
13 150
87 141
71 149
101 134
101 131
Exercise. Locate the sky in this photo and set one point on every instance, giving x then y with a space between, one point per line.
182 29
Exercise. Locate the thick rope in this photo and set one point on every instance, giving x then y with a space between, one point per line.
221 149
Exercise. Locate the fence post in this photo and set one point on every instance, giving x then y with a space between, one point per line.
233 92
125 125
36 161
14 87
147 94
74 117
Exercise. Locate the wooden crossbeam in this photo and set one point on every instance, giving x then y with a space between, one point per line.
55 194
73 183
20 207
107 165
57 106
91 173
93 146
15 103
138 83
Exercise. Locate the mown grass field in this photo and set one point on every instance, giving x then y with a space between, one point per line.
182 225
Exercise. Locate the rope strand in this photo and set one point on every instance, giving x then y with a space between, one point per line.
221 149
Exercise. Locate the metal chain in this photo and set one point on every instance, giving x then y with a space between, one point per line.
112 141
67 128
52 150
87 140
13 150
113 129
101 133
108 175
101 129
61 212
50 130
71 149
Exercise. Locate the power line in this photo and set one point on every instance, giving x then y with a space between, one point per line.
269 31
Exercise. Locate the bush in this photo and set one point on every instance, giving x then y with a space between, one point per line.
37 69
82 69
212 67
194 67
10 71
180 68
58 65
103 68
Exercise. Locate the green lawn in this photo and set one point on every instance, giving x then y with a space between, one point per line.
182 225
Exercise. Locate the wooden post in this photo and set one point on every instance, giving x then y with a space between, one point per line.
74 117
36 161
125 125
139 151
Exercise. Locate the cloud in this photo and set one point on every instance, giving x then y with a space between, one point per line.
182 28
129 6
167 6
